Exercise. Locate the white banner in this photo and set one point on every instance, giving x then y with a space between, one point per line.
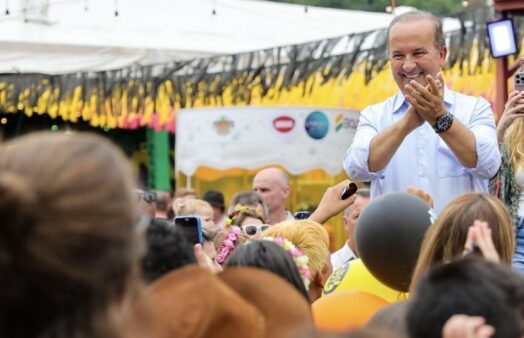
299 139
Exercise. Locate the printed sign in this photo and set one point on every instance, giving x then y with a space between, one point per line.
284 124
317 125
223 126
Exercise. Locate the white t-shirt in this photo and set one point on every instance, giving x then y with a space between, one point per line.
345 254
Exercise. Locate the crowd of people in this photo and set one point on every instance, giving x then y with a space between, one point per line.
84 253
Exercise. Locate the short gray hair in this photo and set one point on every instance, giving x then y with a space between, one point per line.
440 40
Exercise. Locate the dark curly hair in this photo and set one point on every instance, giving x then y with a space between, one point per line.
167 249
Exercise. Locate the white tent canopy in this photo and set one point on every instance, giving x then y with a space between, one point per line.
56 37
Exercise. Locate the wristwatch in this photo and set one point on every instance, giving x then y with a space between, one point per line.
444 122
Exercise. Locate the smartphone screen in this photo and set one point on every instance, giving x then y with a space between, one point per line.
302 214
191 227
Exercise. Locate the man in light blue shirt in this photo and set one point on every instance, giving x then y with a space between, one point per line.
427 135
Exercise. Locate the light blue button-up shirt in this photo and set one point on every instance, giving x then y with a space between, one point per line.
423 159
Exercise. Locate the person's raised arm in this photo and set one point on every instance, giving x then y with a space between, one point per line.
513 109
385 144
331 203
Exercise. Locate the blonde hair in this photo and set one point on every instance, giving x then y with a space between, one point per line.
444 241
185 192
183 207
309 236
515 141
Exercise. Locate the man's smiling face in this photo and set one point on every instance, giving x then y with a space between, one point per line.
413 53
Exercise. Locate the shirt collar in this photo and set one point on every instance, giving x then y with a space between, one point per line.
400 104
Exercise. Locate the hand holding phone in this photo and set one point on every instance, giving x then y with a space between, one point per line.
191 227
335 200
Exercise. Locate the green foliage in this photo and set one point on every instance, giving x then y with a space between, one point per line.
439 7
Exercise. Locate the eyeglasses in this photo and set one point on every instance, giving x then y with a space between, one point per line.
147 196
252 229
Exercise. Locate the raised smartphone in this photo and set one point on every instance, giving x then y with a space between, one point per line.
518 81
349 190
191 226
302 214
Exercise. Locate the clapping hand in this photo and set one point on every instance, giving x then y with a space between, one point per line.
427 100
479 234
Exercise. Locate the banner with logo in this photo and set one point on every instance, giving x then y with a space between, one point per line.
299 138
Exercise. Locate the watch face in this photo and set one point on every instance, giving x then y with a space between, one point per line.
444 122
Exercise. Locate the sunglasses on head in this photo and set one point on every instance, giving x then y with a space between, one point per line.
252 229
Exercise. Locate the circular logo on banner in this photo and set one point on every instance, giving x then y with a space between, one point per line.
223 125
317 125
284 124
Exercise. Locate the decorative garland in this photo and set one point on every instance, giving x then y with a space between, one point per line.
141 96
228 244
301 260
241 209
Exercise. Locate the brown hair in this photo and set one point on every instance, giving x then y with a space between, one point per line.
67 241
249 199
444 241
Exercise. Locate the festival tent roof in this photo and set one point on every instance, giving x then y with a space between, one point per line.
57 37
139 68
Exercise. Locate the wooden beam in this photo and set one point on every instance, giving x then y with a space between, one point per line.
501 76
508 5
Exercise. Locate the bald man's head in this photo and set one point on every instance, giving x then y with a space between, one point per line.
273 185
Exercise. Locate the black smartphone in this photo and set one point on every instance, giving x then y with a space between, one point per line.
348 191
191 227
302 214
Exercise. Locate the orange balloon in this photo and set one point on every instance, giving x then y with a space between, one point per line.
345 310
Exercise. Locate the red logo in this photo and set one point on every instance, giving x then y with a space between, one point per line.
284 124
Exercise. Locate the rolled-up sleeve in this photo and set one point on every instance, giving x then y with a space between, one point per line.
356 158
482 124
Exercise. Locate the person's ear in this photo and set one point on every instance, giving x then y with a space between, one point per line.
345 222
442 55
286 190
320 279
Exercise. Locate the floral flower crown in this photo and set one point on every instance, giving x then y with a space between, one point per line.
228 244
301 260
241 209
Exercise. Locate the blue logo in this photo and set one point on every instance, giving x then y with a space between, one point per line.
317 125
